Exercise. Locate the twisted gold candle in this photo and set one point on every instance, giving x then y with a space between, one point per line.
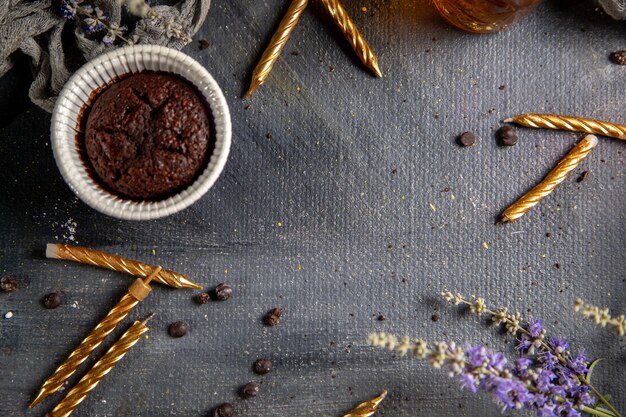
116 263
367 408
549 183
574 124
352 34
277 43
137 292
100 369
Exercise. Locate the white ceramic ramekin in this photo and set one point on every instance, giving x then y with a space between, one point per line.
104 70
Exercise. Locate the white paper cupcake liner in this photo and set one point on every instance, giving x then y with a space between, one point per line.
104 70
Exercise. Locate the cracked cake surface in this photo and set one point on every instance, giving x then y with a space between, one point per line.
148 135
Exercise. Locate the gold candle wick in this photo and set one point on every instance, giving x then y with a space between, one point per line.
551 181
100 369
276 45
571 123
117 263
367 408
352 34
138 291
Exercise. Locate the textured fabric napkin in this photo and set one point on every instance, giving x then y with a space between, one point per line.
57 46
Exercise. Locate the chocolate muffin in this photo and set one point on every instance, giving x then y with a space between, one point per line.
148 136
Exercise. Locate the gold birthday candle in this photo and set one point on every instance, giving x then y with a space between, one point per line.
367 408
117 263
549 183
574 124
278 42
352 34
100 369
138 291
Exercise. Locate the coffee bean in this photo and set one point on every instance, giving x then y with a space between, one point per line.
262 366
224 410
507 136
466 139
8 283
203 298
272 318
250 390
203 44
52 300
223 292
177 329
435 317
618 57
381 318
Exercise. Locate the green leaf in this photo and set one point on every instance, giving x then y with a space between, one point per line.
593 365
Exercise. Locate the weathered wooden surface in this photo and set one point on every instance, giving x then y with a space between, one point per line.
329 217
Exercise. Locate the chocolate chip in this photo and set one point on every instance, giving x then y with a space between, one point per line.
8 284
52 300
272 318
203 44
618 57
435 317
582 176
466 139
262 366
223 292
177 329
203 298
224 410
506 135
250 390
381 318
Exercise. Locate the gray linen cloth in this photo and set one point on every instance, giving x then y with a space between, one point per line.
37 29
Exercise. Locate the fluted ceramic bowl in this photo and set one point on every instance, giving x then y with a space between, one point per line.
105 70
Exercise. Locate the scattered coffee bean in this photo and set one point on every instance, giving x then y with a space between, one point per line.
177 329
618 57
8 283
262 366
435 317
203 44
466 139
250 390
203 298
557 265
272 318
224 410
582 176
502 87
381 318
223 292
52 300
507 136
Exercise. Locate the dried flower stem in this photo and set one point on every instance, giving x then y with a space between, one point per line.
574 124
602 317
558 174
118 33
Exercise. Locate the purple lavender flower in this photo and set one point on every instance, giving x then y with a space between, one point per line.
535 328
558 345
94 20
521 366
544 380
67 8
468 381
547 410
547 359
578 363
567 409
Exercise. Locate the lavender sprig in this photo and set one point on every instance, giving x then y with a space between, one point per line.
93 20
572 371
143 9
512 386
602 317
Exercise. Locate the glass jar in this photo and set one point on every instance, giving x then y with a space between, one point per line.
483 16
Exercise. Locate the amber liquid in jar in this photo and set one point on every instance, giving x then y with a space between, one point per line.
483 16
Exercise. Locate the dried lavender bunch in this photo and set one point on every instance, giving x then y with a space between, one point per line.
93 20
142 8
602 317
546 378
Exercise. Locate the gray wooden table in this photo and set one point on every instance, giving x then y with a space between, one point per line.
324 208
